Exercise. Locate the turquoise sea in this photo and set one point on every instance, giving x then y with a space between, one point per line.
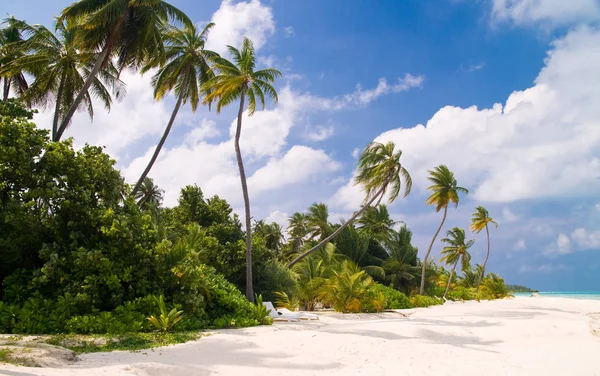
593 295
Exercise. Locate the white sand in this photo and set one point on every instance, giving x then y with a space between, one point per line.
521 336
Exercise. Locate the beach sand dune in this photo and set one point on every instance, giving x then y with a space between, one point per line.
521 336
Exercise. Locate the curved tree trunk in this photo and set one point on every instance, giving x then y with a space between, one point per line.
342 227
422 289
6 88
61 87
101 60
450 279
240 162
487 231
159 146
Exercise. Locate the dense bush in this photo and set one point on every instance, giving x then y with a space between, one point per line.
425 301
394 299
79 256
461 293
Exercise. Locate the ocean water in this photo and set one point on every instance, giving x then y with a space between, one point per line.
588 295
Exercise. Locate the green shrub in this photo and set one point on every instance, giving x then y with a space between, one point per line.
394 299
425 301
461 293
274 277
262 313
165 321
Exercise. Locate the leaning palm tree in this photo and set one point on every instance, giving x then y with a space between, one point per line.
186 70
445 190
456 250
318 221
238 81
379 169
480 220
130 31
11 48
60 69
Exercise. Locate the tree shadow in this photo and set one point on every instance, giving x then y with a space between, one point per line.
369 333
466 342
190 357
467 324
6 372
509 314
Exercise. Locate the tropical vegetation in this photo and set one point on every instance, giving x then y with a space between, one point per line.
83 252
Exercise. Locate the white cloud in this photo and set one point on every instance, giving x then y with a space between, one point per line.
288 31
563 244
356 153
278 217
585 239
553 12
206 130
597 207
472 68
298 165
364 97
544 268
321 133
508 215
520 245
546 136
233 22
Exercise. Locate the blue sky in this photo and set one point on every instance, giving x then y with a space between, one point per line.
505 92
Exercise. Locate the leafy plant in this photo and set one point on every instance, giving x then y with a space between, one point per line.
283 300
425 301
394 299
166 320
262 313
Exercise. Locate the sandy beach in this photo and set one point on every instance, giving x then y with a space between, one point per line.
520 336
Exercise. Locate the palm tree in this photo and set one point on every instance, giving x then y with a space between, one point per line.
480 220
379 169
60 70
149 195
318 221
271 233
377 222
402 267
130 31
186 70
11 38
455 251
444 190
297 229
233 82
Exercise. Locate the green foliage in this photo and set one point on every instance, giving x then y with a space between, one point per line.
519 288
462 293
271 277
425 301
348 289
126 342
394 299
262 313
165 321
493 287
283 300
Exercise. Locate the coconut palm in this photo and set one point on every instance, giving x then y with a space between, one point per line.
11 38
456 250
318 221
235 81
377 222
149 195
445 190
271 233
130 31
402 267
60 69
187 68
379 169
480 220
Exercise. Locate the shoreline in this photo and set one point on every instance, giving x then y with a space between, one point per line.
517 336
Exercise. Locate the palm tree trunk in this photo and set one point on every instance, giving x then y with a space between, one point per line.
101 60
6 89
450 279
238 155
61 87
422 289
342 227
486 259
160 144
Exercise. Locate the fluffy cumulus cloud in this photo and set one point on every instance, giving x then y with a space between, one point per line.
543 143
586 239
233 22
320 133
553 12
